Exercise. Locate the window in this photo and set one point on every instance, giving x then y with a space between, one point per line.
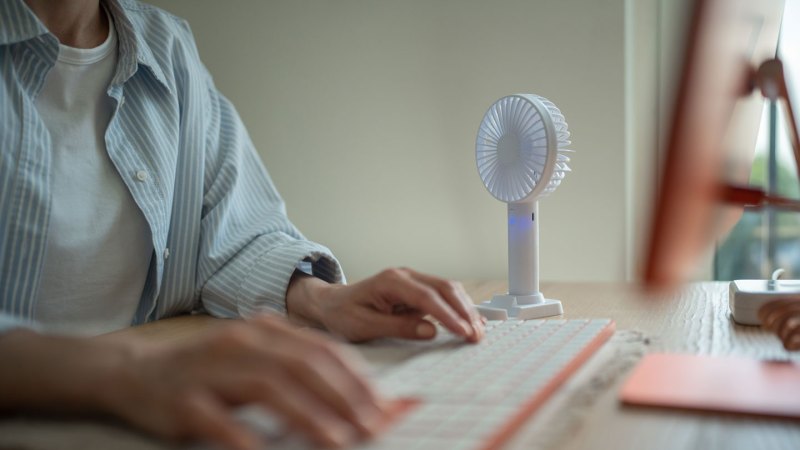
763 241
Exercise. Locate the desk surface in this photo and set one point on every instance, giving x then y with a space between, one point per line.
695 320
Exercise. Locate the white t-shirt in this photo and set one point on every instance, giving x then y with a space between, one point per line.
99 245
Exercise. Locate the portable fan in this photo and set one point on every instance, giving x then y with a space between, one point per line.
521 157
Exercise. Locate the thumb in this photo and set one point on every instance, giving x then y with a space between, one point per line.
399 326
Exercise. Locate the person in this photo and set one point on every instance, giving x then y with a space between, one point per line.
130 192
782 317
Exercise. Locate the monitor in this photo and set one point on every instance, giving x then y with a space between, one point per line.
711 140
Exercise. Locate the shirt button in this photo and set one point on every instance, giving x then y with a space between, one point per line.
166 253
141 175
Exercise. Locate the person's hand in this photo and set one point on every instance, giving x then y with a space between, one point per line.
187 391
782 317
393 303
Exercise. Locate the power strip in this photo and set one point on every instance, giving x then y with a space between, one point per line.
748 296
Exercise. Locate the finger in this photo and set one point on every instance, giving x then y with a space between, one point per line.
424 298
783 318
767 311
788 317
346 360
327 376
452 291
293 403
329 372
787 324
404 327
205 418
790 332
403 309
794 342
455 295
771 313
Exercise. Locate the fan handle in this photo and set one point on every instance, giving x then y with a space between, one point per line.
523 251
523 300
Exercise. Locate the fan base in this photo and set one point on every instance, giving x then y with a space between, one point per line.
505 306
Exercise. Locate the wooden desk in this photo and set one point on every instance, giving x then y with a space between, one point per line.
694 321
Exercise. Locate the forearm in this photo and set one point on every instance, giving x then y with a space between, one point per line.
49 373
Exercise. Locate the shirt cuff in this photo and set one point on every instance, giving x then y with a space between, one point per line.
9 323
256 280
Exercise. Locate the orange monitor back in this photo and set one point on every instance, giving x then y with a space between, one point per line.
729 67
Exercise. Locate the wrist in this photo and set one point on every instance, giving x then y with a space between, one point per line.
305 299
116 383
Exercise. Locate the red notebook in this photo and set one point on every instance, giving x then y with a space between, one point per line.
713 383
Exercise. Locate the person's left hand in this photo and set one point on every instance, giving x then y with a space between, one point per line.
393 303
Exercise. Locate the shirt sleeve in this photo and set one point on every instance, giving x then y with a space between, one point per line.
249 249
9 322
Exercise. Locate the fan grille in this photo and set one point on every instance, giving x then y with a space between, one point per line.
515 146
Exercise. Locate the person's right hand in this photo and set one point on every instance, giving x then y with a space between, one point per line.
187 391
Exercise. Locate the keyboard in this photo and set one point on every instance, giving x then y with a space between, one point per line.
475 396
460 396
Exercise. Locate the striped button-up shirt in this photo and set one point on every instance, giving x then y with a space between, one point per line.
219 228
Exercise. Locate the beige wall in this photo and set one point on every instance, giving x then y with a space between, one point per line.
365 113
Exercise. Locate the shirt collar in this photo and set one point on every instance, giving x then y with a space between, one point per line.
133 49
18 23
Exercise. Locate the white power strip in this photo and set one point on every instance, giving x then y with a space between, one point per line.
748 296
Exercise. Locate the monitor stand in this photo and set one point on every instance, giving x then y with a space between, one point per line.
770 79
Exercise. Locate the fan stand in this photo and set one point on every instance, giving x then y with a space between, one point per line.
521 307
523 300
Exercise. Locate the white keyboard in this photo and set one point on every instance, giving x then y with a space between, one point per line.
475 396
471 396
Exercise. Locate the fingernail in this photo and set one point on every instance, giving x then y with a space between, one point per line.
425 330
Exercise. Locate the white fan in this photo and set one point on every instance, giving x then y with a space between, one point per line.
520 153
